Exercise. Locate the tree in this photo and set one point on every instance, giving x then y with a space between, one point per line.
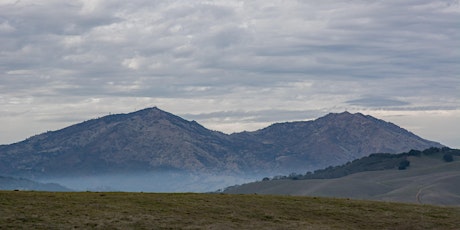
431 151
414 152
294 176
403 164
448 157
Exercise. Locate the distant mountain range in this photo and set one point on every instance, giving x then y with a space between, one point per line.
154 140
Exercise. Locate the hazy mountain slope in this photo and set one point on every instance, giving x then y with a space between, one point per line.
428 180
9 183
333 140
155 140
145 140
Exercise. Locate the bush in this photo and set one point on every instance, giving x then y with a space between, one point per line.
404 164
414 152
431 151
448 157
294 176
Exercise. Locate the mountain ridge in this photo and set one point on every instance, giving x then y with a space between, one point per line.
354 135
152 139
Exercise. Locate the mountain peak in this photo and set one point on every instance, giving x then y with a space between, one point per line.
155 114
152 139
150 110
344 114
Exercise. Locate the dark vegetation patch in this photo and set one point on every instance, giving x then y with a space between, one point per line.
375 162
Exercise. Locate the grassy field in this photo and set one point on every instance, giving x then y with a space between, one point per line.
86 210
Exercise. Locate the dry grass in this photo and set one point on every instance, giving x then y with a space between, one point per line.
426 181
45 210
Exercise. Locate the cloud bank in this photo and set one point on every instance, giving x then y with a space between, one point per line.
231 65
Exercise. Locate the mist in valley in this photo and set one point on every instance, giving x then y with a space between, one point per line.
152 182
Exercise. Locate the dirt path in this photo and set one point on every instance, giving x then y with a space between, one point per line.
418 197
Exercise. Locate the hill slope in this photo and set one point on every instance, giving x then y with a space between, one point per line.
9 183
429 179
149 139
154 140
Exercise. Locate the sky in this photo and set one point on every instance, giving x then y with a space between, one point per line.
230 65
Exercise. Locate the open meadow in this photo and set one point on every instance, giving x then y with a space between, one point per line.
72 210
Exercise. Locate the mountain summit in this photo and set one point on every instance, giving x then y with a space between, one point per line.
154 140
335 139
149 139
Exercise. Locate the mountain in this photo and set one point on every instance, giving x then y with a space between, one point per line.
330 140
154 140
10 183
431 176
150 139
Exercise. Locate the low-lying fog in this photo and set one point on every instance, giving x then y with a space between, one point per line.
151 182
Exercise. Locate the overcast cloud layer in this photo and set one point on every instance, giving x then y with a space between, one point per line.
230 65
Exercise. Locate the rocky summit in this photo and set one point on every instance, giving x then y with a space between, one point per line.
155 140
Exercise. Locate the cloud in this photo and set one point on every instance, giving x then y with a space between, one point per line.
376 102
249 62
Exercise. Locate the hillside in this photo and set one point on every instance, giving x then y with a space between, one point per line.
152 140
9 183
86 210
145 140
427 179
330 140
160 151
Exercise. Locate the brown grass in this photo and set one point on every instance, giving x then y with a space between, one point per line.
426 181
85 210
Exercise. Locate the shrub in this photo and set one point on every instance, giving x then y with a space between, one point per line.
448 157
414 152
431 151
404 164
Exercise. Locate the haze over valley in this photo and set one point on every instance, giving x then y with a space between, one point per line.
153 150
